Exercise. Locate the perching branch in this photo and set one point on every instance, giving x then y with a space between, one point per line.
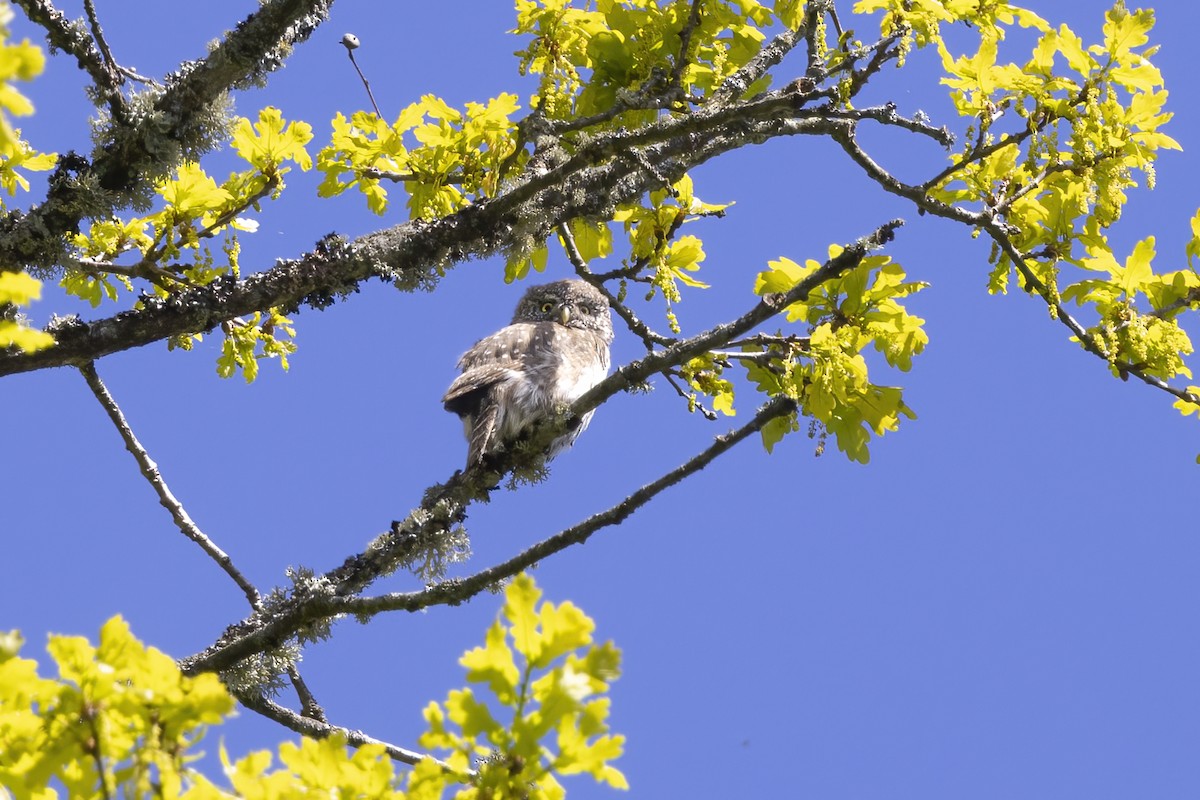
320 607
453 592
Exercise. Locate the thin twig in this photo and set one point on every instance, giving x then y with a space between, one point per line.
708 414
833 17
350 41
63 35
308 703
758 358
150 470
685 42
768 339
89 8
639 328
93 748
319 729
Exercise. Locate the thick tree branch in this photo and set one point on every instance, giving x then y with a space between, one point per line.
321 607
589 185
453 592
133 156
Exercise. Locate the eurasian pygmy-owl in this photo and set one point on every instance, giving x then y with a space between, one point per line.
554 351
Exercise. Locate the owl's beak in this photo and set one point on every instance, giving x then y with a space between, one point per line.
564 315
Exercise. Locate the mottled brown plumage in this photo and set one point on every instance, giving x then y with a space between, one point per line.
554 351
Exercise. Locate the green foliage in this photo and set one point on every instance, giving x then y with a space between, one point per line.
592 60
19 289
1053 143
826 373
121 720
458 156
247 341
169 249
18 62
550 695
119 716
1085 128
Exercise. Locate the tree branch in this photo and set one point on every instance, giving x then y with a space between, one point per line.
414 253
62 35
987 221
635 325
132 157
312 722
150 470
453 592
319 729
320 607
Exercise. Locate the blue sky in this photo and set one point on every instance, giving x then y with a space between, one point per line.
1001 604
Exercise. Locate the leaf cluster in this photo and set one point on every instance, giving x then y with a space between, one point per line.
121 719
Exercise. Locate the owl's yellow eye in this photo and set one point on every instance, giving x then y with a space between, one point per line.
547 307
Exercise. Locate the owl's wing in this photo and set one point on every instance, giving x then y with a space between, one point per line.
467 390
490 363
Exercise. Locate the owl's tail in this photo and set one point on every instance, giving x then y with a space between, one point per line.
483 432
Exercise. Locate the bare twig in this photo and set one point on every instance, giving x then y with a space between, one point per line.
308 703
350 42
639 328
62 35
768 339
319 729
150 470
693 403
92 747
89 8
757 358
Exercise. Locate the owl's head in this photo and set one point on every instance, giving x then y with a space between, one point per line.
572 303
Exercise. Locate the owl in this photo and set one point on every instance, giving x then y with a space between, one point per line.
554 351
